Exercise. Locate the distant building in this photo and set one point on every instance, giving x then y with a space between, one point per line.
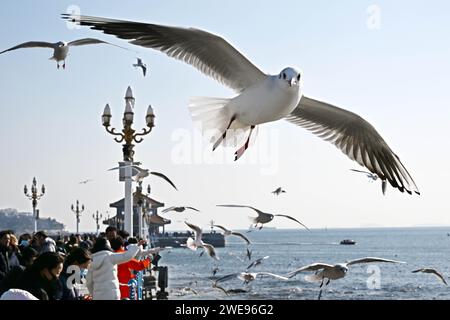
138 200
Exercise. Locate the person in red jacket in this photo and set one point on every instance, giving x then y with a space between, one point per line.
125 270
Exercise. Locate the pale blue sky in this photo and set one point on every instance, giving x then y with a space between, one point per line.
395 77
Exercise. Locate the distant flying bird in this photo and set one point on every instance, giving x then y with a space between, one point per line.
197 242
215 270
257 262
260 98
60 48
249 254
373 177
248 277
179 209
139 174
262 217
141 65
433 271
233 233
85 181
278 191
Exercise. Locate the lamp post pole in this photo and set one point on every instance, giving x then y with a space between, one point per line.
34 196
128 135
77 211
97 217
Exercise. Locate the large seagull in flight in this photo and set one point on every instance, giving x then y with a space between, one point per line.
260 97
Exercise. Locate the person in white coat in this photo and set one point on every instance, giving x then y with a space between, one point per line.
101 279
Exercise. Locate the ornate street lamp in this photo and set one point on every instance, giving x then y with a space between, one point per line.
128 136
97 217
77 211
34 196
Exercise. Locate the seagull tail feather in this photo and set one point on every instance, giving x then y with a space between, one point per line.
213 116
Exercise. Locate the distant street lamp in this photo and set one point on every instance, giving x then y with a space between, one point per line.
128 135
97 217
77 212
34 196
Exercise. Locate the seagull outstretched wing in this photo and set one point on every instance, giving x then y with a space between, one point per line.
355 137
209 53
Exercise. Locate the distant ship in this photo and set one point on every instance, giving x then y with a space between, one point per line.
348 241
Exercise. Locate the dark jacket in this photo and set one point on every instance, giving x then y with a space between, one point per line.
4 262
10 281
41 288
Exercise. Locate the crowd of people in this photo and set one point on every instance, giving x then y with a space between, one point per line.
38 267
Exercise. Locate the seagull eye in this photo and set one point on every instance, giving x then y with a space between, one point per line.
284 76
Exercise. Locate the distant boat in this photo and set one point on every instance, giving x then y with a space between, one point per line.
348 241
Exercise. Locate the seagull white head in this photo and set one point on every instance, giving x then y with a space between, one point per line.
342 267
290 76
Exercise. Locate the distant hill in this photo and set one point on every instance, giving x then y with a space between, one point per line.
21 222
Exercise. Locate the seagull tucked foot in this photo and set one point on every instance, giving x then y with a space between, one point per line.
64 65
57 66
242 149
223 136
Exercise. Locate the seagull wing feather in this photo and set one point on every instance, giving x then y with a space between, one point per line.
209 53
292 218
31 44
371 259
355 137
165 178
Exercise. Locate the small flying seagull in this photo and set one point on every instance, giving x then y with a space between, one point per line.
433 271
85 181
197 242
233 233
248 277
373 177
257 262
278 191
139 174
60 48
249 254
260 98
215 270
179 209
141 65
262 217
